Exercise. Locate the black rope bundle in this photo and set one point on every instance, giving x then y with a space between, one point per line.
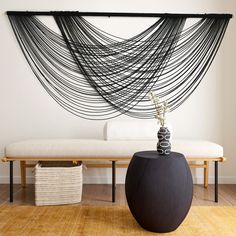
96 75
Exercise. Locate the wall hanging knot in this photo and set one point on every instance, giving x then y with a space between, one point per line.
96 75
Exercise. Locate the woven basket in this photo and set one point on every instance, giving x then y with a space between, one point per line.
58 183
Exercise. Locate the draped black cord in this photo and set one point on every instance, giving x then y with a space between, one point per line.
96 75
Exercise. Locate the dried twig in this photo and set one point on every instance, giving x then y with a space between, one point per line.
160 107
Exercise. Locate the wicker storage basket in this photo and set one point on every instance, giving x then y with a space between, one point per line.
58 183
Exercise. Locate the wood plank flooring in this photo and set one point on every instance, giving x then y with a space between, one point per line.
100 194
104 220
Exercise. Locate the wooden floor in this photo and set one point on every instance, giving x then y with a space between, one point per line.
101 195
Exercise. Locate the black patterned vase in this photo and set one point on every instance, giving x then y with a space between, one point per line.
163 145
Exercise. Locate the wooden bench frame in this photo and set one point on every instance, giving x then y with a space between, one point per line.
113 165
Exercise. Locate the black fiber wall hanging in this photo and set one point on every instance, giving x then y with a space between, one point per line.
96 75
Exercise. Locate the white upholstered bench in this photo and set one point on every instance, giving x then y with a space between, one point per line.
120 142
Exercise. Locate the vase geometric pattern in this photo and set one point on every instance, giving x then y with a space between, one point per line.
163 145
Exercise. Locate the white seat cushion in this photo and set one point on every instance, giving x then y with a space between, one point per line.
197 148
130 130
96 148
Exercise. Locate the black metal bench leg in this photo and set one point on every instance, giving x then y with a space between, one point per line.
11 181
113 181
216 181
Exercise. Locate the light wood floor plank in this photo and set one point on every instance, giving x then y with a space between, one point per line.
100 194
104 220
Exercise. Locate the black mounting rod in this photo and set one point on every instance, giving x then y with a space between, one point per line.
117 14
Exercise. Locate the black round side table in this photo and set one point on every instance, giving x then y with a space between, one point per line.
159 190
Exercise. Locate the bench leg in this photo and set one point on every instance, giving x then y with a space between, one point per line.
206 171
113 181
23 173
11 181
216 181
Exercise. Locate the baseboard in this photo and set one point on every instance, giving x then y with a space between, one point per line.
16 179
211 180
121 179
102 180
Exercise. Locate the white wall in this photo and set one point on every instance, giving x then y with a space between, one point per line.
27 111
228 77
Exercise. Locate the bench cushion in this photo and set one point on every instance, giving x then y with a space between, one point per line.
95 148
130 130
